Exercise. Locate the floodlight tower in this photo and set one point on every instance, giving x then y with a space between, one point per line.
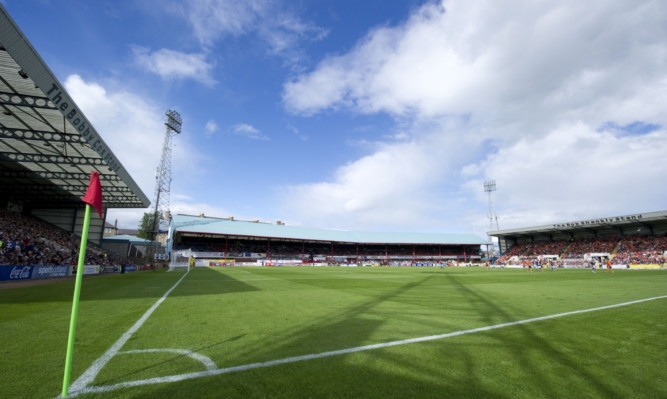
490 187
163 173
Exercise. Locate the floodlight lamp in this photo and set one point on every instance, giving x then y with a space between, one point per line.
174 121
489 185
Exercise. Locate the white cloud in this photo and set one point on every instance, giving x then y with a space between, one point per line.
211 19
506 63
297 132
249 131
170 64
133 127
365 192
576 172
513 91
210 128
399 185
280 29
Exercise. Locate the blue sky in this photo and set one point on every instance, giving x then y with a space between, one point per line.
374 115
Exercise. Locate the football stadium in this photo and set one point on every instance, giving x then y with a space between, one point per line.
220 307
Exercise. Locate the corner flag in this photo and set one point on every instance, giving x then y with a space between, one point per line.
94 194
93 197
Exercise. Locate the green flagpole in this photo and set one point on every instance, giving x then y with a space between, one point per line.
75 301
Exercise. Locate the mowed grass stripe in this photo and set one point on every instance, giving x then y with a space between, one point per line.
213 372
300 311
295 316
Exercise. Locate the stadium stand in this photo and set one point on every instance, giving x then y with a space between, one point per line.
641 249
243 241
48 149
628 240
25 240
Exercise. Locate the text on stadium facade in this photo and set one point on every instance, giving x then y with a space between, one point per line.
75 117
617 219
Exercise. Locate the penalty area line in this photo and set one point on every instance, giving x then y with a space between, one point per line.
208 373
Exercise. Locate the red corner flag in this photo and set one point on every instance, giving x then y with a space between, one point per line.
94 194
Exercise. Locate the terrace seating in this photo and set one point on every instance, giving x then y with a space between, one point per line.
580 247
640 249
25 240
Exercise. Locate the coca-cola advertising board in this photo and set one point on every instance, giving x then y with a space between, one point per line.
12 272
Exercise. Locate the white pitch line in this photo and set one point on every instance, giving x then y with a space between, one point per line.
89 375
189 376
315 278
205 360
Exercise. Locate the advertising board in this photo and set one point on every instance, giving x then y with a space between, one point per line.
50 271
11 272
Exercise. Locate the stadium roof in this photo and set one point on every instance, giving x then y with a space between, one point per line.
628 224
47 145
134 240
227 227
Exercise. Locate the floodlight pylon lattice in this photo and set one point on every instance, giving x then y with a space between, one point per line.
490 187
163 175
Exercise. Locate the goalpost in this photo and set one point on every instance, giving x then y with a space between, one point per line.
180 259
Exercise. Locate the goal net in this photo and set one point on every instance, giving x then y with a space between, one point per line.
180 259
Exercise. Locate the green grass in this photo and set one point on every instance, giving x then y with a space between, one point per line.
239 316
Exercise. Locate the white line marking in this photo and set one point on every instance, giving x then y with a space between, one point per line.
89 375
313 278
188 376
206 361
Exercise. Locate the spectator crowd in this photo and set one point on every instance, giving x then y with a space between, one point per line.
25 240
641 250
624 250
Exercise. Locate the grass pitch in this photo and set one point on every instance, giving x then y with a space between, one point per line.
236 317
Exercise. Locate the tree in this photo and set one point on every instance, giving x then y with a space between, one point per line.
148 229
